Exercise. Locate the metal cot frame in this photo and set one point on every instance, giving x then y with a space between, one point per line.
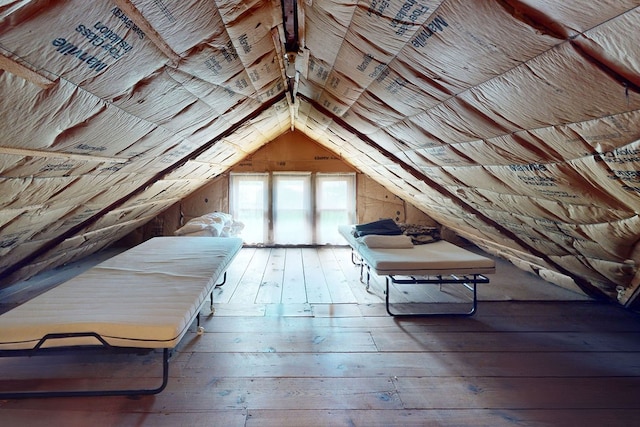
38 350
469 281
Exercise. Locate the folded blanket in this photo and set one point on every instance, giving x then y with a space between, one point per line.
385 227
387 242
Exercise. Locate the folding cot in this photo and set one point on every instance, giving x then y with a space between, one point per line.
144 298
439 263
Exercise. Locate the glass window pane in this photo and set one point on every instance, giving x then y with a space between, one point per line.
248 200
335 205
291 209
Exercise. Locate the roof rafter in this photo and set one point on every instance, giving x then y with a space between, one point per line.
137 17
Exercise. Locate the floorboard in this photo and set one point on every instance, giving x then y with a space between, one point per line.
293 282
271 286
297 340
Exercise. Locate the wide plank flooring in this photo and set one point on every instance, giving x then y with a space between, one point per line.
297 340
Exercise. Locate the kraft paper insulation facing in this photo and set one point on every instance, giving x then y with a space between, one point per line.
514 123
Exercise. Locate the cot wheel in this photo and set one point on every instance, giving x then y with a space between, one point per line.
200 330
213 310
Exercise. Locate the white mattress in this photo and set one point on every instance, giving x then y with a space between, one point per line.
431 259
145 297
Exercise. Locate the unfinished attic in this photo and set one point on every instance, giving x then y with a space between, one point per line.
512 126
512 123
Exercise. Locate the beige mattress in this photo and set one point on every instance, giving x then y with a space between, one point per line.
431 259
145 297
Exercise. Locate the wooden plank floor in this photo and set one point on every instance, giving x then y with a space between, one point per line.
297 340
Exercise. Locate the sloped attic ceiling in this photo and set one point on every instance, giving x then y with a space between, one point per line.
514 123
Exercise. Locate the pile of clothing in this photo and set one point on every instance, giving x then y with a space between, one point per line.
420 234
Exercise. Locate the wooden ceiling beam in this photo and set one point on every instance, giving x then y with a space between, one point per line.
16 68
60 155
136 16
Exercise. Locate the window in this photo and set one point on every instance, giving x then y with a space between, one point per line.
335 205
248 203
292 209
301 207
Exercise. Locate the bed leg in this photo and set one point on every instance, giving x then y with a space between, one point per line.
474 305
166 354
355 258
362 273
199 329
360 263
224 280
